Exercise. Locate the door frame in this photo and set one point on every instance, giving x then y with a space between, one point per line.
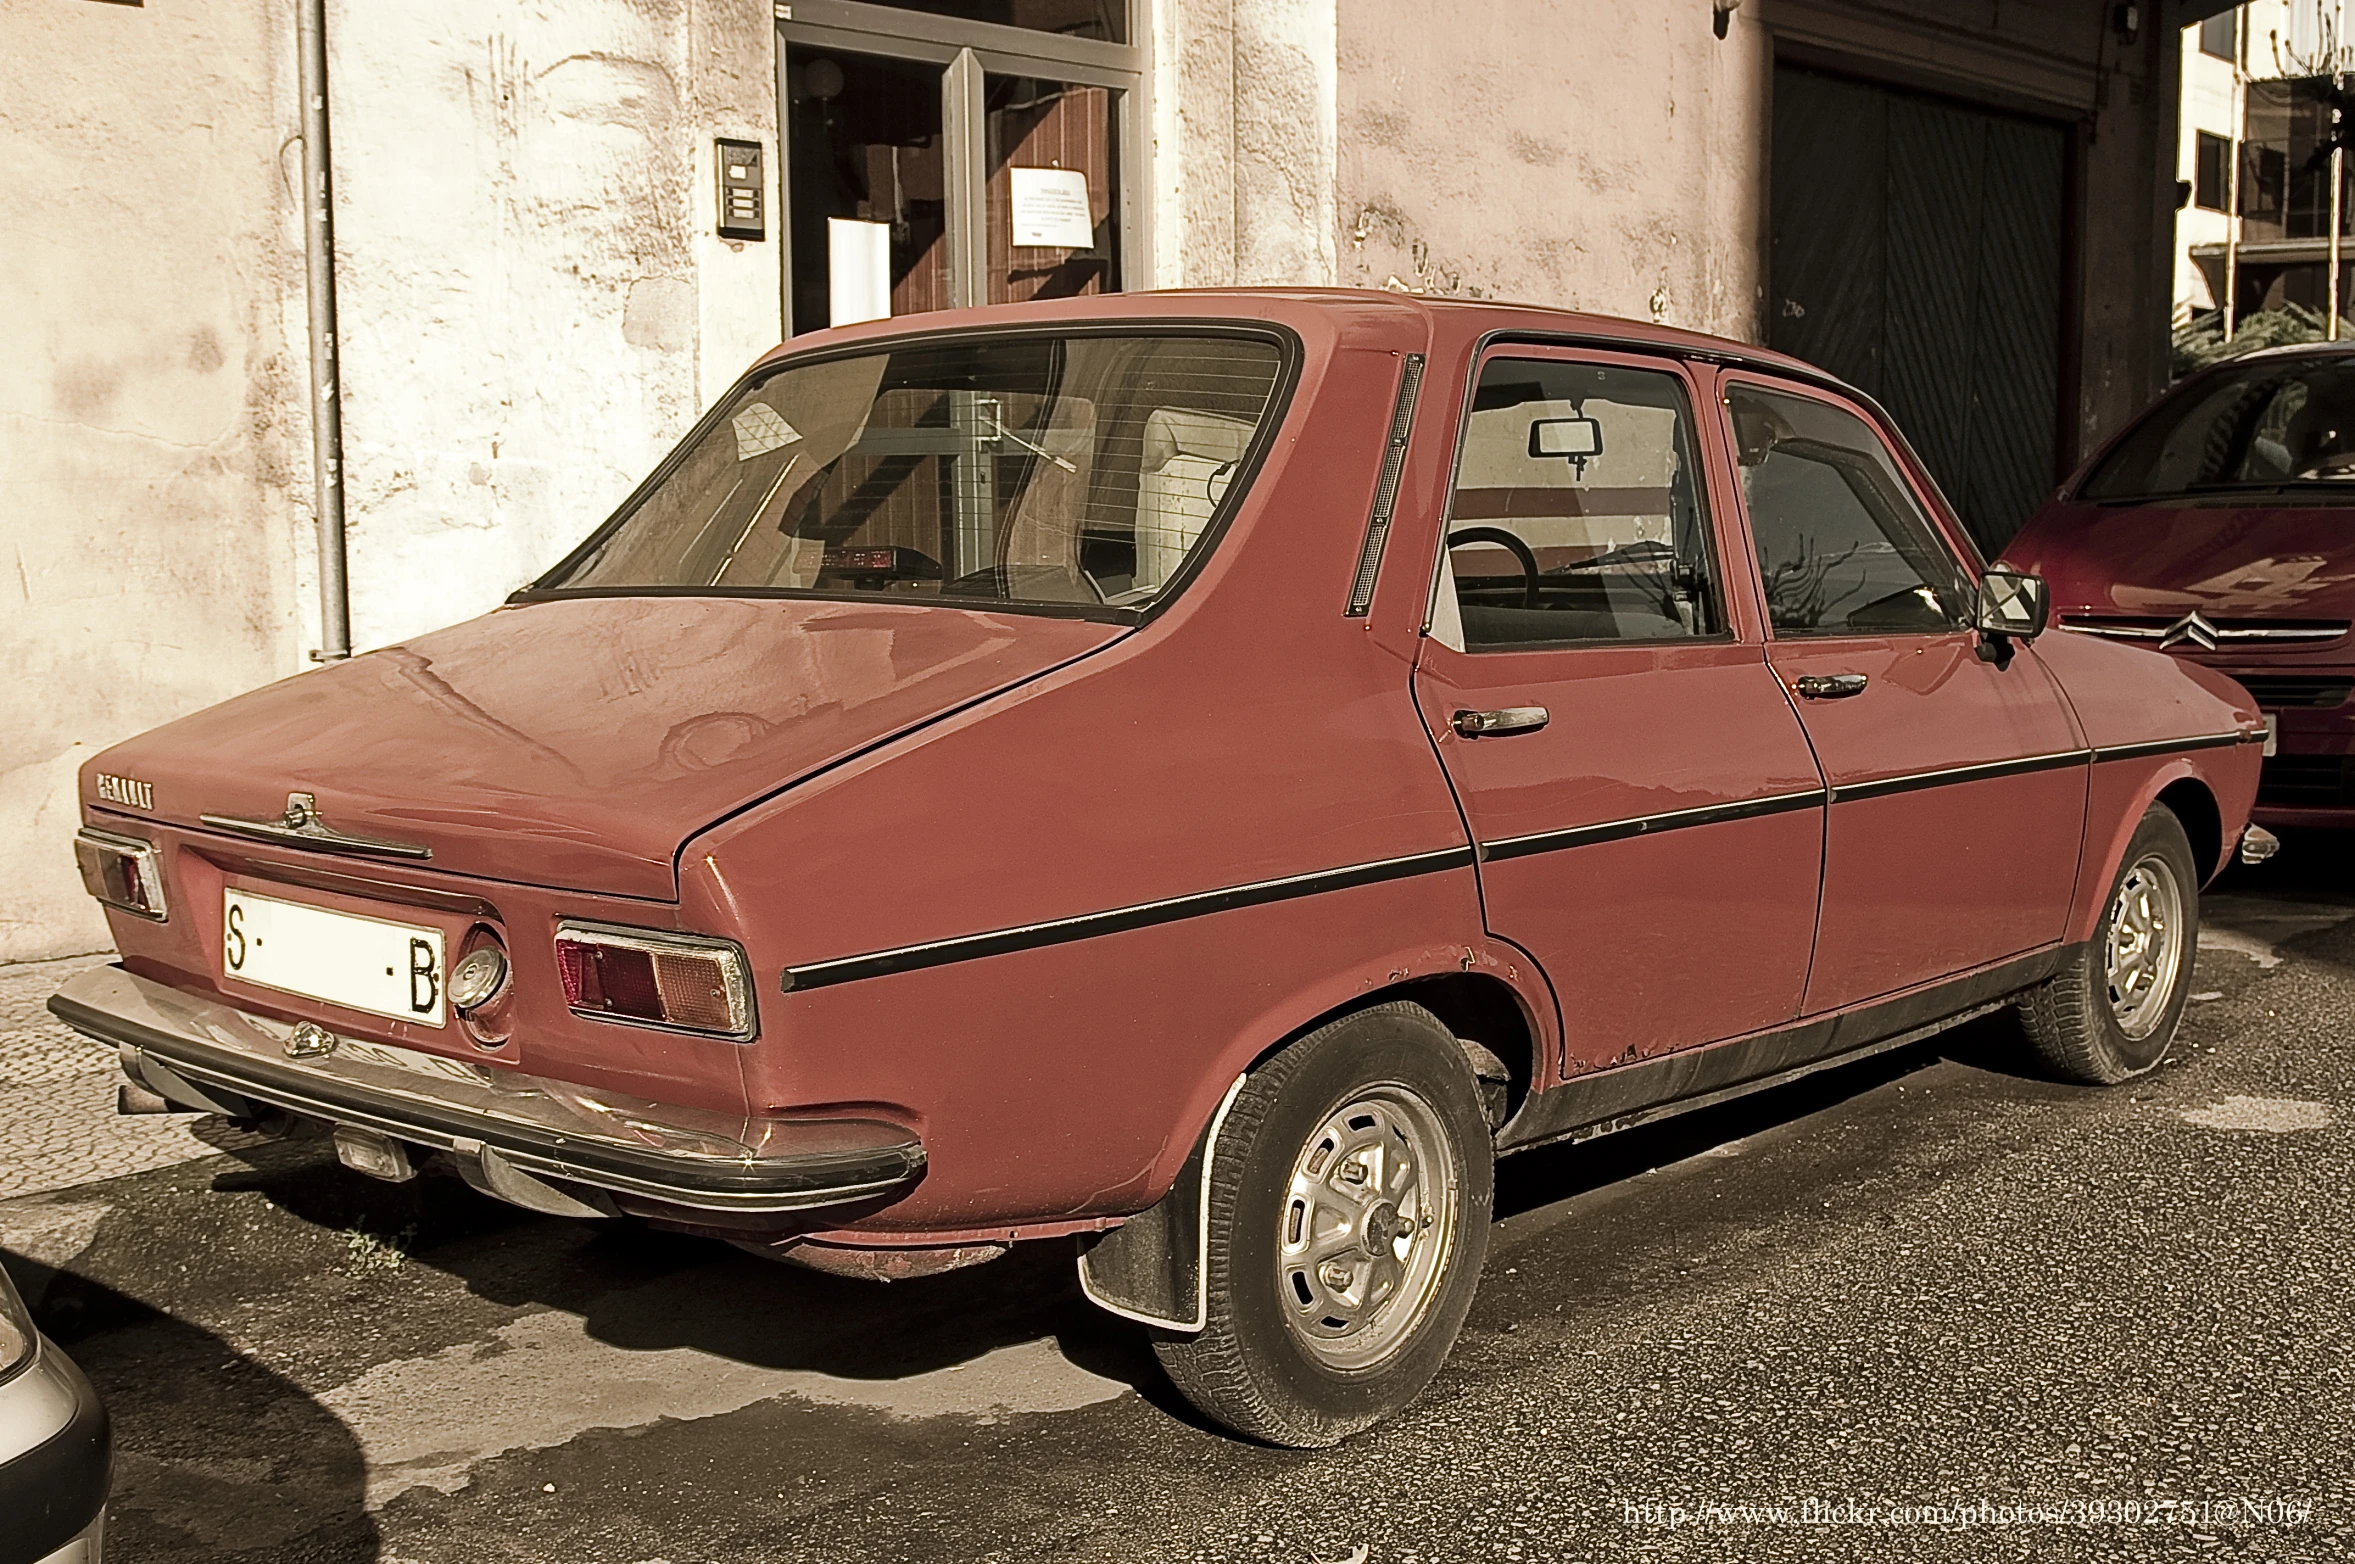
1701 378
967 52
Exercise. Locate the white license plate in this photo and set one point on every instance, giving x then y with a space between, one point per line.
2272 733
386 969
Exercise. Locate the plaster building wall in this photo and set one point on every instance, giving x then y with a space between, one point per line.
534 303
534 307
154 472
1245 142
1616 166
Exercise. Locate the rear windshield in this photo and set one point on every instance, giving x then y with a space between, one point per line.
2264 426
1080 471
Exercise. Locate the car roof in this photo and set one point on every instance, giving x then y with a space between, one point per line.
2292 350
1478 318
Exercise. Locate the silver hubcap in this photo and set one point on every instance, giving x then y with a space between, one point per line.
2144 951
1369 1220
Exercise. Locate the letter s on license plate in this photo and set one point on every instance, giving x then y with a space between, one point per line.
386 969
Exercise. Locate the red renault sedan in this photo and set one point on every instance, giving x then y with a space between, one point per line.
1198 774
2216 527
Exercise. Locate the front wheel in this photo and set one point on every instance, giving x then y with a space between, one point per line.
2110 1013
1350 1194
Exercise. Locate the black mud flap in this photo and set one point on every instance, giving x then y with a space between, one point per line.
1149 1268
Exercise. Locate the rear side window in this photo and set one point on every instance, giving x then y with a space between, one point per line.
1843 549
1577 512
1083 470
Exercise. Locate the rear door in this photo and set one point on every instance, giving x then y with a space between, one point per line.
1648 816
1957 784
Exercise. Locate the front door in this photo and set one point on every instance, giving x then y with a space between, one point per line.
1648 816
1957 783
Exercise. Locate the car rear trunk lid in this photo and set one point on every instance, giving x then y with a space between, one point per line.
579 742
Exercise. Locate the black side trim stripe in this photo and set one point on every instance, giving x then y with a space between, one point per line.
1061 931
1915 781
2174 746
1648 825
1032 936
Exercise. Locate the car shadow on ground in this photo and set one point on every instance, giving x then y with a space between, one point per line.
215 1455
637 1289
641 1289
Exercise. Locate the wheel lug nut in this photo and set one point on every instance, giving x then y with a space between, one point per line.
1334 1275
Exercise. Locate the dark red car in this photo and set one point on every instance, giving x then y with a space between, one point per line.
2216 526
1039 772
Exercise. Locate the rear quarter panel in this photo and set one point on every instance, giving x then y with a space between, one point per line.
1251 732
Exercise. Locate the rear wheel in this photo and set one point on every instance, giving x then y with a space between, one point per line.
2110 1014
1350 1194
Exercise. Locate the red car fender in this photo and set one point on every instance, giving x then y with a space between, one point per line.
2123 792
1369 981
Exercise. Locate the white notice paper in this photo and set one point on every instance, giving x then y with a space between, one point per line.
1051 208
858 271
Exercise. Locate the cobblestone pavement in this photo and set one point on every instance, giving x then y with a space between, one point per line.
58 1127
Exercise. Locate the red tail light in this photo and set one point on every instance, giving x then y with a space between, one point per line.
686 982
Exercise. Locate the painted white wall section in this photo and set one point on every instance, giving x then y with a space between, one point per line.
1246 98
154 475
534 302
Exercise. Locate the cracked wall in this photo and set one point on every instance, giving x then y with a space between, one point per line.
1245 142
1582 155
534 304
534 308
1617 165
152 482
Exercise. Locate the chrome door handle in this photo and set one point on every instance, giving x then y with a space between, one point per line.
1512 719
1828 686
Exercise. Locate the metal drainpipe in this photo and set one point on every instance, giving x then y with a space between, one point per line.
335 603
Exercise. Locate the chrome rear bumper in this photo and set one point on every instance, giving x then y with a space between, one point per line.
209 1056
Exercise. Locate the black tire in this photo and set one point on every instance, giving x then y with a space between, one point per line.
1252 1368
2074 1018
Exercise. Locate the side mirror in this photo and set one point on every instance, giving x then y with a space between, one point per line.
2012 604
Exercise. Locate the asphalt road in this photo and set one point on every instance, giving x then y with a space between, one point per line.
1926 1308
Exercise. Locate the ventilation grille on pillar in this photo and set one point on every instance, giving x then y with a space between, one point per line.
1402 420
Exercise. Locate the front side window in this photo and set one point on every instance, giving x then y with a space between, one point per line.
1577 512
2261 425
1080 470
1843 548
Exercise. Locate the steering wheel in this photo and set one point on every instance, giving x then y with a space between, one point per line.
1520 551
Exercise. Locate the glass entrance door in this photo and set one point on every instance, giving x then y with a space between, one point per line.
869 199
1053 179
935 161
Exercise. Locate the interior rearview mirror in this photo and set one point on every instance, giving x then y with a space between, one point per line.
1576 439
2012 603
